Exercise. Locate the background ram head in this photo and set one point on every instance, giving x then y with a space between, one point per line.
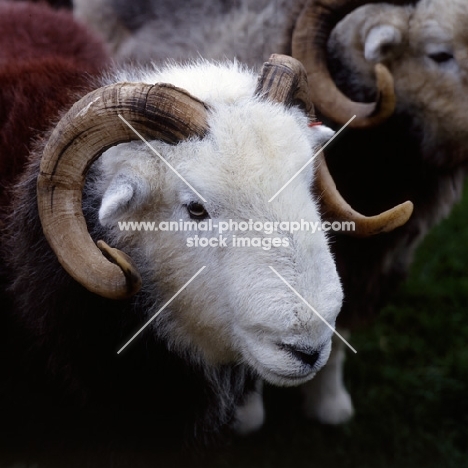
425 48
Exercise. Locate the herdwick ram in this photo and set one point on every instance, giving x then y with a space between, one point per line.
418 53
71 305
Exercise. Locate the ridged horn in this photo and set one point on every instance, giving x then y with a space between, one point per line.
90 127
309 45
283 79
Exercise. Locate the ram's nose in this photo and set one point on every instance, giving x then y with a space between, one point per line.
307 356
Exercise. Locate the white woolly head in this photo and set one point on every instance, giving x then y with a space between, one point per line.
237 310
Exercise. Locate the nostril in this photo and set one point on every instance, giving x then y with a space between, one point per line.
309 357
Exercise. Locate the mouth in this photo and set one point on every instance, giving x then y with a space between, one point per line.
288 365
294 376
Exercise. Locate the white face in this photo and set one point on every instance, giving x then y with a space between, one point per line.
237 310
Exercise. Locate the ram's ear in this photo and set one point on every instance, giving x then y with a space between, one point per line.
383 43
385 34
123 193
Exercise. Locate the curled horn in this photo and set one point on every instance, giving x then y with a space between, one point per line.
337 209
283 79
309 44
89 128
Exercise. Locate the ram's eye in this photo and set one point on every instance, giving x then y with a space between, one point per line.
441 57
197 211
